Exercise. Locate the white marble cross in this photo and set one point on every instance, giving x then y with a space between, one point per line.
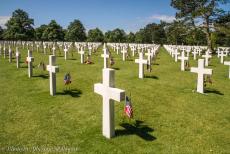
188 51
149 55
44 49
176 53
228 63
27 46
52 70
194 52
153 52
183 59
10 55
199 51
117 48
90 50
18 58
109 93
105 56
222 55
206 56
38 47
82 52
23 44
30 61
65 51
141 62
53 49
4 51
133 50
124 52
201 71
78 48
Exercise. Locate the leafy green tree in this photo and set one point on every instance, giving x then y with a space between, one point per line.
19 26
206 10
222 27
140 36
39 33
176 33
76 31
117 35
53 32
95 35
107 37
1 33
130 38
65 33
155 33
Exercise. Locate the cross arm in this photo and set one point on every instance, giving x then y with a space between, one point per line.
194 70
112 93
53 69
227 63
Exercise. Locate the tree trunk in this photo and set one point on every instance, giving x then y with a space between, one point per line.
208 34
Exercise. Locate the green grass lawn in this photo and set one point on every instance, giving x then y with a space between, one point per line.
168 116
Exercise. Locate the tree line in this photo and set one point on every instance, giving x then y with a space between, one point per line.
213 31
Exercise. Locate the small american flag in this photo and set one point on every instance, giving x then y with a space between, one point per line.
128 107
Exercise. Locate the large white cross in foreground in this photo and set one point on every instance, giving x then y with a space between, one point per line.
201 71
30 61
109 93
53 70
141 62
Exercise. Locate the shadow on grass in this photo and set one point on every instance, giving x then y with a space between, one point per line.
72 59
151 77
213 91
23 66
72 92
44 76
156 64
138 129
116 68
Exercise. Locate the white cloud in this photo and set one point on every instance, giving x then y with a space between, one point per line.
3 20
162 17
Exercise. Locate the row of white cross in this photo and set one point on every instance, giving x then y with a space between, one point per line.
106 89
200 70
141 61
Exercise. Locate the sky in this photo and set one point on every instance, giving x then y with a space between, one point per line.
130 15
